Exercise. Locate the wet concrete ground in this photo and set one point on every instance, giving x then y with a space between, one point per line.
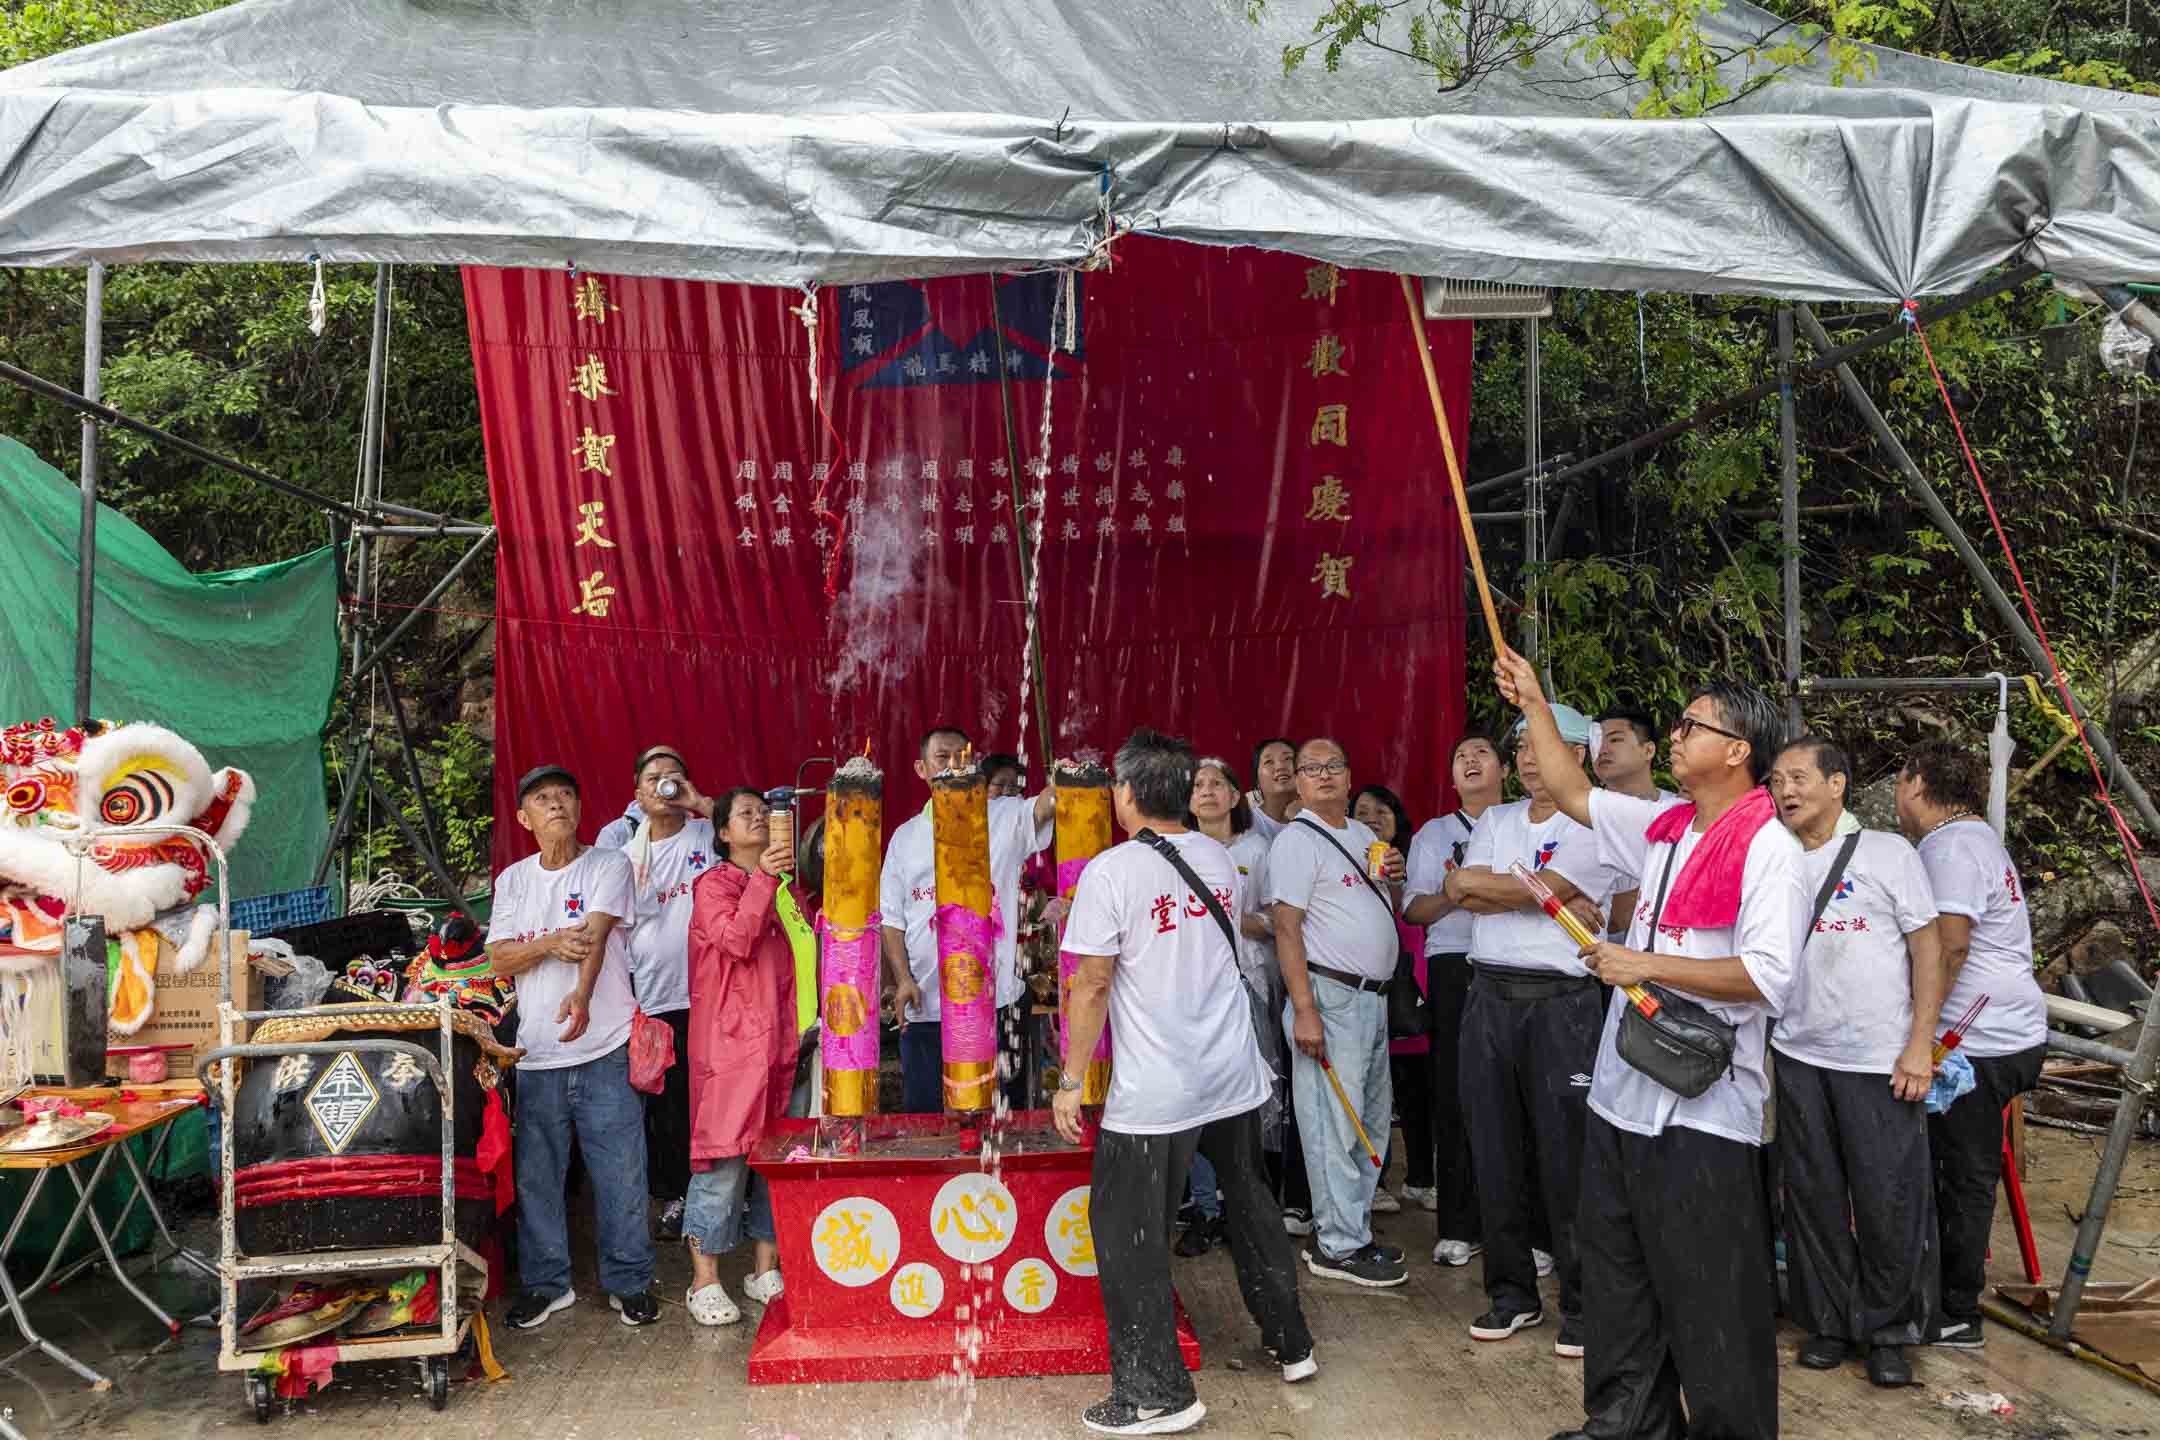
1393 1363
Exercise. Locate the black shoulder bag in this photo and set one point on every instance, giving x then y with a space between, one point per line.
1829 886
1408 1016
1684 1046
1254 1004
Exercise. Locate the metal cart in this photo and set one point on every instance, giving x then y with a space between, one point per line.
433 1351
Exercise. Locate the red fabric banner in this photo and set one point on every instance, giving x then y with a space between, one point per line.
1246 524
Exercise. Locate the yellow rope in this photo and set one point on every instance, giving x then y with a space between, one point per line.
488 1366
2047 707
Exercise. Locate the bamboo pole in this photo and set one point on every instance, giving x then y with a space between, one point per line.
1454 466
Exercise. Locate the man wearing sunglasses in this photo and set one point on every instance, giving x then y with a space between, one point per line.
1679 1298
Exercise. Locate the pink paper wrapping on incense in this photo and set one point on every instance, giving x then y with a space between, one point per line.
969 1019
1068 875
849 958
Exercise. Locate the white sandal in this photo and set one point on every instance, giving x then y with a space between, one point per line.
711 1306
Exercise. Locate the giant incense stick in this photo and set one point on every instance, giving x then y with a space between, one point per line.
1640 998
848 956
960 837
1083 832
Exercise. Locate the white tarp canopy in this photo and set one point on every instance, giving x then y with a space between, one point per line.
800 141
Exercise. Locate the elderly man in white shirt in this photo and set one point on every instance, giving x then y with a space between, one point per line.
1679 1297
1335 938
1854 1060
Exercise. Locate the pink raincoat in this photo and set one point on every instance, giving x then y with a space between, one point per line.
742 1013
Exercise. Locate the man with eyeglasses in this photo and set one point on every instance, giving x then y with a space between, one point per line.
1335 938
1673 1229
670 843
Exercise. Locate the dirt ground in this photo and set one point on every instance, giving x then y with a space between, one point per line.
1393 1363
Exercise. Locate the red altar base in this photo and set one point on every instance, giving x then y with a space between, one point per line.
887 1253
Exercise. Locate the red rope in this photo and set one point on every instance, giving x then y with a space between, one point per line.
373 1176
2123 832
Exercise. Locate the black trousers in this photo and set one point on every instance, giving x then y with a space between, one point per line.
1447 992
1135 1188
1860 1247
1525 1069
1966 1141
1413 1111
1679 1295
667 1120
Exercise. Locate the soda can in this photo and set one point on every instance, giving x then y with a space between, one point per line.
1376 859
782 828
667 787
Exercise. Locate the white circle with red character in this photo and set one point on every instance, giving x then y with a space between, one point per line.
974 1218
917 1290
855 1241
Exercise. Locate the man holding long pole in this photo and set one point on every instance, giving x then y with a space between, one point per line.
1673 1229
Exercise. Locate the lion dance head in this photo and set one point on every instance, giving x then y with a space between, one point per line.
93 782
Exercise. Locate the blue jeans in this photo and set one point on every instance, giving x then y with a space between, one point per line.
1354 1023
714 1211
593 1102
1204 1185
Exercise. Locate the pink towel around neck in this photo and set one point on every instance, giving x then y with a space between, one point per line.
1706 893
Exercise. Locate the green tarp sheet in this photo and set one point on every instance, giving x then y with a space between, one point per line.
241 663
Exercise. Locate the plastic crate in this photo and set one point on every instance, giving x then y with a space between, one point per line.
263 914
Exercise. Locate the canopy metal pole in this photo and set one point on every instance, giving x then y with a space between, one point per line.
1533 492
86 535
1789 488
2138 1074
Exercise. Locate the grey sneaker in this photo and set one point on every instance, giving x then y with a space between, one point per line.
1117 1417
1501 1324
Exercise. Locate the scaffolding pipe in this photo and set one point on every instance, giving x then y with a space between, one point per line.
86 534
1789 515
1830 357
2138 1074
1868 684
412 617
1522 472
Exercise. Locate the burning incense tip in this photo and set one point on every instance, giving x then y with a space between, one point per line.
859 771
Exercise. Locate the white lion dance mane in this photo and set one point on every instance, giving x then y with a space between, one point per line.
94 778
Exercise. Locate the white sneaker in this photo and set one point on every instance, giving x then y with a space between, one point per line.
1296 1370
1425 1197
1385 1203
763 1287
1456 1252
710 1306
1543 1260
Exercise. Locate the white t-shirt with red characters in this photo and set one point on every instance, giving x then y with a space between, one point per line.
1182 1048
1974 876
1556 845
660 941
1851 1005
1347 927
907 895
1766 937
532 901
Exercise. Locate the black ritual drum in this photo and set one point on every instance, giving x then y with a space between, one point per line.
343 1151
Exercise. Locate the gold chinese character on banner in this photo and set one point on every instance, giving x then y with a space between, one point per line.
1330 499
592 514
1327 357
594 594
591 450
1322 283
1330 425
591 378
590 298
1333 573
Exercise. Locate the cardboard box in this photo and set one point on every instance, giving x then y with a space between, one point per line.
185 1012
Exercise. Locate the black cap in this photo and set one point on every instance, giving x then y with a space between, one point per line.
540 775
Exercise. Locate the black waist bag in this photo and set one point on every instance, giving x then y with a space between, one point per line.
1684 1047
